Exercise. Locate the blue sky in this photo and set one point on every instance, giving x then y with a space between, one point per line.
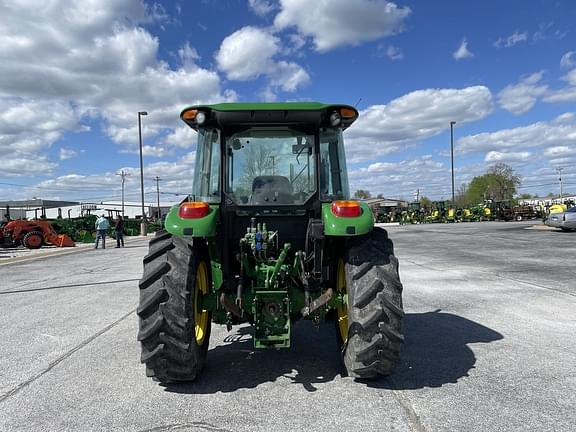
74 74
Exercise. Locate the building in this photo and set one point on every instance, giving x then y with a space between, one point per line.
547 201
38 208
377 204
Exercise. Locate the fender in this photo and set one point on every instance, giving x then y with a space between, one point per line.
199 227
347 226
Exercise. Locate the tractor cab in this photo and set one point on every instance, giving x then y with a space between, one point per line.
270 154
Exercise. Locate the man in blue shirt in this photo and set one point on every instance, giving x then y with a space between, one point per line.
102 226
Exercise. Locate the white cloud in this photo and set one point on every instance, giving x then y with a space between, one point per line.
336 23
545 32
92 58
288 76
567 94
559 132
26 166
560 151
249 53
29 127
403 178
67 153
188 56
495 156
176 178
261 7
521 97
568 60
384 129
183 137
570 77
462 52
511 40
394 53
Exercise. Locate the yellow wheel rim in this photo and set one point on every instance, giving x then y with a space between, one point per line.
342 309
201 315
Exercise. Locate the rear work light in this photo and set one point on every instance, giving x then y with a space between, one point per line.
194 115
346 208
193 210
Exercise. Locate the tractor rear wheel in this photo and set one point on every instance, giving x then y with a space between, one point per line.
370 327
33 240
174 326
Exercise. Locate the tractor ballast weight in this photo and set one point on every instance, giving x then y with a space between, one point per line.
269 237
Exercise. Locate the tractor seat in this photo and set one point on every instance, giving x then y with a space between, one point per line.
270 190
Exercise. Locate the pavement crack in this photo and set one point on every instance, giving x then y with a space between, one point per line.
414 422
532 284
69 286
63 357
494 274
187 426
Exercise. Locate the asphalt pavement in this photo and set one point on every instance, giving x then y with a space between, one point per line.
490 328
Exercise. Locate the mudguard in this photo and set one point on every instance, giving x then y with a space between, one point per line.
347 226
199 227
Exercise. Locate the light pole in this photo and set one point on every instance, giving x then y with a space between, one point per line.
143 224
452 123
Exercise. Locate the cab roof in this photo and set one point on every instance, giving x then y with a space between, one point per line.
306 114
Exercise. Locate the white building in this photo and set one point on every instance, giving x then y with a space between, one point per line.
38 208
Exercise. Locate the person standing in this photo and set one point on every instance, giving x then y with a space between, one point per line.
102 226
119 228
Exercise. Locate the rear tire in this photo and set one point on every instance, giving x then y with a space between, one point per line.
174 333
375 310
33 240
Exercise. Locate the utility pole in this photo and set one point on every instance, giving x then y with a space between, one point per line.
452 123
559 171
157 180
123 175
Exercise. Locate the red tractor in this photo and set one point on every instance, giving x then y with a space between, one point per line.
31 234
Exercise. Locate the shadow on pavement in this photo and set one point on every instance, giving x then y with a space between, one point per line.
312 359
435 353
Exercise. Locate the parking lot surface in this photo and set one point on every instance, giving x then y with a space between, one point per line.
490 332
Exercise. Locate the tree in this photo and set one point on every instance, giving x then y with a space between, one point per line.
461 196
259 160
505 181
362 194
425 202
499 184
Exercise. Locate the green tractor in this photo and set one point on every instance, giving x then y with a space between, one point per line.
269 237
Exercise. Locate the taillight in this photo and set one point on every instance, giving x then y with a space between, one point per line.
193 210
346 208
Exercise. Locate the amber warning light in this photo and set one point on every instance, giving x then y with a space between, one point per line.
193 210
346 208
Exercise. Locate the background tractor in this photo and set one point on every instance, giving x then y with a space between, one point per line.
32 234
269 237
